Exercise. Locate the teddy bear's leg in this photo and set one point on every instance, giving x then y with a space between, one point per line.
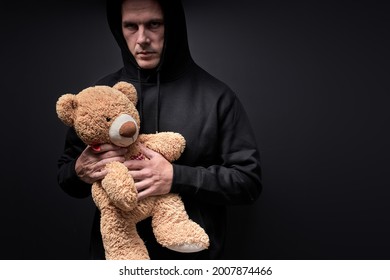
174 229
120 238
119 186
118 228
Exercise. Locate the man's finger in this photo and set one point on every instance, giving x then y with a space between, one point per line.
144 194
147 152
135 164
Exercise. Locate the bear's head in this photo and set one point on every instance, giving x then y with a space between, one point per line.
102 114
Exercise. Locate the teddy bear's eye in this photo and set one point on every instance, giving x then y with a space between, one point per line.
108 119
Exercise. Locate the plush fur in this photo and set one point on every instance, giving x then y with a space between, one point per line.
103 114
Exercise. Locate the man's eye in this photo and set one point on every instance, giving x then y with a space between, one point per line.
131 26
155 24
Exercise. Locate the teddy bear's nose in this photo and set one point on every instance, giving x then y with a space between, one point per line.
128 129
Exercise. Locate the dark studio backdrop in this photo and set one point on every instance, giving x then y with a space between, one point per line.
313 79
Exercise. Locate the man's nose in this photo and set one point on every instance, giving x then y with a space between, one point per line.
142 36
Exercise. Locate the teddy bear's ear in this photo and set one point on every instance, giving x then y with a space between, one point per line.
66 106
127 89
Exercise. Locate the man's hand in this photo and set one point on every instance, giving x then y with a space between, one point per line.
90 164
153 176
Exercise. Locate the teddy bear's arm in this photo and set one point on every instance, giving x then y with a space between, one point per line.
169 144
119 186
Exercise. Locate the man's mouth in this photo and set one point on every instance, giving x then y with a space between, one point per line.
145 52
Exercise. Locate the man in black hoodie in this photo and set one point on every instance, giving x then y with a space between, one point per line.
220 165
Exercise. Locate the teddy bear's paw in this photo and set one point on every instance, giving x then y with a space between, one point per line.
188 248
120 187
126 201
185 236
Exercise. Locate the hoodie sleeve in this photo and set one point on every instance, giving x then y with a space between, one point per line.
66 176
237 180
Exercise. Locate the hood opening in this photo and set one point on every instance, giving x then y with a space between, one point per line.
176 57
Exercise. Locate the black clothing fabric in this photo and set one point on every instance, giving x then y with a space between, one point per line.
221 163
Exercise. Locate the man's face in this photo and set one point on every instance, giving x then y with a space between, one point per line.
143 29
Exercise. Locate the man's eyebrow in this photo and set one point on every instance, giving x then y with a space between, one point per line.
126 22
157 19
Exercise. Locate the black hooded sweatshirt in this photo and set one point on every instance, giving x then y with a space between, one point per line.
220 165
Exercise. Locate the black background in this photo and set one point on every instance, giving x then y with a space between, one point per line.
313 79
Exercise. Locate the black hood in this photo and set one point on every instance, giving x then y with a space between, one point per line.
176 54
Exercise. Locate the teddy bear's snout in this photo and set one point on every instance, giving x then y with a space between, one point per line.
123 130
128 129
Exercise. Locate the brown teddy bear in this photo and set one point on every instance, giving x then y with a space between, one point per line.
103 114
